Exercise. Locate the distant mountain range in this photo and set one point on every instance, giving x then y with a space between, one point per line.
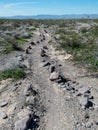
66 16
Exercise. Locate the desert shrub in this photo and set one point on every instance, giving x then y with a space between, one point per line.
15 73
82 45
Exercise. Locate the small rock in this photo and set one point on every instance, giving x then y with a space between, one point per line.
30 99
89 125
20 58
27 90
3 115
52 68
87 116
47 63
45 47
38 42
27 50
43 53
83 101
23 123
54 76
29 47
96 107
3 104
15 88
69 88
30 107
32 43
96 122
83 90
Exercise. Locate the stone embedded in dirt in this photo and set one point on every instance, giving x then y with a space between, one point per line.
47 63
38 42
29 47
83 90
62 79
30 107
45 47
3 104
96 122
20 58
52 69
69 88
46 58
27 50
86 116
54 76
3 115
89 105
89 124
41 40
83 101
96 107
27 90
23 123
30 99
15 88
44 37
43 52
32 43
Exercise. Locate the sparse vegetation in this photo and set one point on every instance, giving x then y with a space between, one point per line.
82 44
15 73
78 37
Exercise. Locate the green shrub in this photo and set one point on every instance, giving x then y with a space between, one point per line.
22 40
15 73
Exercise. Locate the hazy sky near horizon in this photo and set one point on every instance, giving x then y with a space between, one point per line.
35 7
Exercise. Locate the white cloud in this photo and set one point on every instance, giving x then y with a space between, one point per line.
18 3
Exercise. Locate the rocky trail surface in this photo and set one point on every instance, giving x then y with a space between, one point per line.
55 95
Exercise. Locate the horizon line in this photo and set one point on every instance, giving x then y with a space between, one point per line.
53 14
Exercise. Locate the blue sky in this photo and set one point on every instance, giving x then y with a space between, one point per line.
35 7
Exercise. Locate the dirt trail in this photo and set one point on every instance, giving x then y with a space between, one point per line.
63 109
51 93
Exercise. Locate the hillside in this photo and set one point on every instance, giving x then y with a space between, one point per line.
48 74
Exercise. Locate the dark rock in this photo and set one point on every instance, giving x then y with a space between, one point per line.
43 52
96 122
29 47
69 88
41 40
52 68
47 63
87 116
26 51
15 88
62 79
38 42
32 43
45 47
44 38
89 104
